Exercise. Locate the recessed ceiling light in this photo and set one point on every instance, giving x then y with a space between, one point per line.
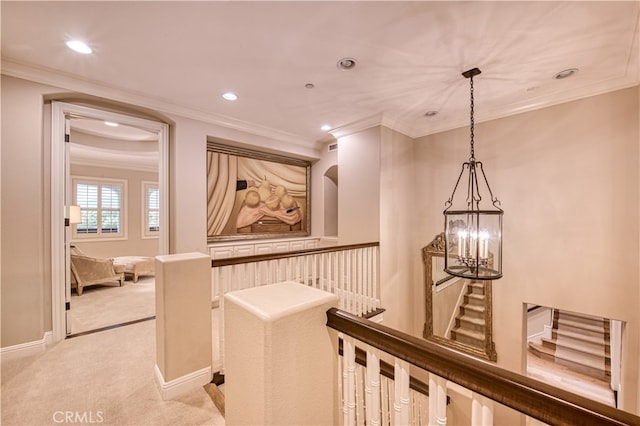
79 46
309 85
230 96
346 64
325 127
566 73
430 113
111 123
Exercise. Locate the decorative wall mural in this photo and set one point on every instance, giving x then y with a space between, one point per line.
252 194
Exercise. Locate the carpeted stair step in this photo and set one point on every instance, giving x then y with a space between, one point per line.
468 337
471 324
472 311
596 343
581 352
565 358
476 288
474 299
586 329
586 320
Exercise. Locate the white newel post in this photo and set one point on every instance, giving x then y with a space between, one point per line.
280 357
183 323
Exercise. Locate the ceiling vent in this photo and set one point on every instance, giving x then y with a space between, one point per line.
333 147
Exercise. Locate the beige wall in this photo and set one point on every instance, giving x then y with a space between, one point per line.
567 177
398 191
135 244
359 187
25 203
26 271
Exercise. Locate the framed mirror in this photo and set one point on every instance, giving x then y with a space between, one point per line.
458 311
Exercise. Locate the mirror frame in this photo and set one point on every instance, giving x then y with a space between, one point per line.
436 248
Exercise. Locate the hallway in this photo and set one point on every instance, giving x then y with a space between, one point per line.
106 377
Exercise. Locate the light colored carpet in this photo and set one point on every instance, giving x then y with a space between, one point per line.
104 305
107 375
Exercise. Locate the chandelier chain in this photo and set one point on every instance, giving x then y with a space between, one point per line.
472 123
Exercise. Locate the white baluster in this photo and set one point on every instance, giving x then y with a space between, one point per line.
349 381
337 282
323 275
360 395
481 410
437 400
350 304
386 399
246 275
401 400
215 283
291 271
375 276
372 397
367 281
340 277
314 271
357 281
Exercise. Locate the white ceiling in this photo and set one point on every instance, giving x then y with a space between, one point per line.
179 57
96 144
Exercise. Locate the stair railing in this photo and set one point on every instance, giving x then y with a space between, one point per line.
349 271
487 382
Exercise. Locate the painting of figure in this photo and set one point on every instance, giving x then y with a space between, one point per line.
254 195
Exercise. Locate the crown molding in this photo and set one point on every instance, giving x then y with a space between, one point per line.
357 126
95 88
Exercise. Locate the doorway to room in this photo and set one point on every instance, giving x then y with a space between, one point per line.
116 177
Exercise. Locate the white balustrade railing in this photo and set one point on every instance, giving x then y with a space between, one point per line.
369 397
350 272
406 400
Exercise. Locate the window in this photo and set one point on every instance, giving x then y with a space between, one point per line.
101 205
151 211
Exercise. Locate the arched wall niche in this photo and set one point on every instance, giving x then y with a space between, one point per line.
330 193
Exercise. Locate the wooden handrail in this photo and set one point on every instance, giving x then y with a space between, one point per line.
216 263
546 403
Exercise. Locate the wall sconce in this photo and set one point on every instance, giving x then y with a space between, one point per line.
473 232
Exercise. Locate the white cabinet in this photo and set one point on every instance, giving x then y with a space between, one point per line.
243 250
221 252
226 250
263 248
297 245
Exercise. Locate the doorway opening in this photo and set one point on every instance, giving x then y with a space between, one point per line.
116 178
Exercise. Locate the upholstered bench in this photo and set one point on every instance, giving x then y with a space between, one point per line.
135 266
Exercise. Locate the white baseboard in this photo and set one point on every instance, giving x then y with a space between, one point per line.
176 387
29 348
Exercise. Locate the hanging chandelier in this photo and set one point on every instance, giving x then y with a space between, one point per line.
473 231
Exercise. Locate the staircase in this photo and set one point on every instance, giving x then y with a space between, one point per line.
579 342
470 325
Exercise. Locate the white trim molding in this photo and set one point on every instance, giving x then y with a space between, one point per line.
59 111
176 387
26 349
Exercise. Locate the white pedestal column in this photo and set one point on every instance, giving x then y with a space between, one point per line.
183 323
280 357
